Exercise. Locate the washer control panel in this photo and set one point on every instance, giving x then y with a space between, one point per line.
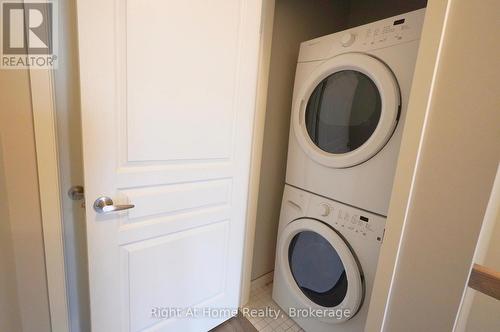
346 218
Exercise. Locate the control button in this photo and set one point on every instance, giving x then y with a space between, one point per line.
326 209
347 39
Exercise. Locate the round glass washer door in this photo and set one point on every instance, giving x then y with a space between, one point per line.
320 268
346 110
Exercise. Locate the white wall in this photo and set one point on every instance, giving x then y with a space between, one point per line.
23 285
484 310
479 312
441 199
10 319
294 21
366 11
71 167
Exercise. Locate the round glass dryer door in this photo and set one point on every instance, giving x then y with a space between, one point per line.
343 111
321 268
347 110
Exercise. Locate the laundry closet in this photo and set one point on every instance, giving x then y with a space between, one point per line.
285 26
326 221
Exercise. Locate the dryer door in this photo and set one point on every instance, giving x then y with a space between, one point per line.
320 269
347 110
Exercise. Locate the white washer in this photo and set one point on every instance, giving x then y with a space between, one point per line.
326 259
349 106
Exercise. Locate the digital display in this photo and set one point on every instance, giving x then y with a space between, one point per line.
398 22
365 219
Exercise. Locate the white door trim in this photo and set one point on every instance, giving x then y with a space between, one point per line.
266 34
44 126
44 123
403 189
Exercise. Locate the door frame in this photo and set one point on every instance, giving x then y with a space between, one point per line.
418 108
412 212
44 125
43 105
266 35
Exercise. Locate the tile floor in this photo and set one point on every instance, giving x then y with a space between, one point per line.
260 299
236 324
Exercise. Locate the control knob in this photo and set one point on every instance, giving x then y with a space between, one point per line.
347 39
326 210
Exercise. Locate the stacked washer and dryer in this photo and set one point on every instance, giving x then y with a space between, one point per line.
349 107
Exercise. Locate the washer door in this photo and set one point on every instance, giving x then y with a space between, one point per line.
347 110
320 269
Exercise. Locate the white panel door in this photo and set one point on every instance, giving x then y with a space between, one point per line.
168 91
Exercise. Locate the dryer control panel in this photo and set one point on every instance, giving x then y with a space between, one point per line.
387 32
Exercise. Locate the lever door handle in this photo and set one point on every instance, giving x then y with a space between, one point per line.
105 204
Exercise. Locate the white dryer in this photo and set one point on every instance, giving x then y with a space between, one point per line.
349 106
326 259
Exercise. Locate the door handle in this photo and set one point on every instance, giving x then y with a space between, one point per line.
105 204
76 193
